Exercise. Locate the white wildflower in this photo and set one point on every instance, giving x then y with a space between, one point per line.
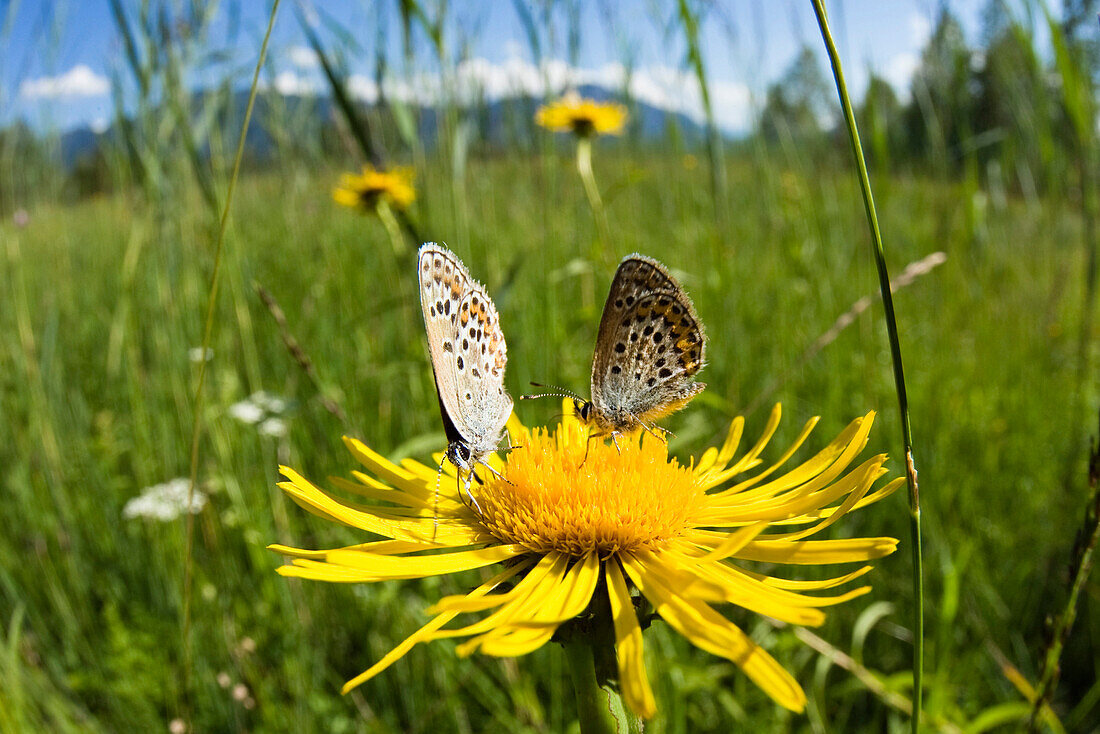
247 411
274 427
267 401
164 502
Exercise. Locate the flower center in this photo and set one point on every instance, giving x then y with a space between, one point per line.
583 126
558 499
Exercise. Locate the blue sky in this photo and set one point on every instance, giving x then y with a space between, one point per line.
57 59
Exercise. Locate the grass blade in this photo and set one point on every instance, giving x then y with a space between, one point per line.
196 426
358 128
895 354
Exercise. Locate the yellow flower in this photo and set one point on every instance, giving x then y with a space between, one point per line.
366 190
633 517
583 117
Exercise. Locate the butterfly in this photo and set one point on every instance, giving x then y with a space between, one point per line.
649 348
468 355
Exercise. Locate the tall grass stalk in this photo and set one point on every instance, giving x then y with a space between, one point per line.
370 148
592 191
718 183
1087 539
208 329
895 354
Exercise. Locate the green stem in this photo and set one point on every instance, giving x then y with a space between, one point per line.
600 708
385 213
895 353
208 330
1087 540
584 167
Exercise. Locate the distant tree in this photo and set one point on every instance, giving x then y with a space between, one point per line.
881 119
1079 25
31 167
1012 108
799 106
938 120
90 174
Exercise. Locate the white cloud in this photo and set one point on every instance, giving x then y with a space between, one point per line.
920 28
293 84
662 87
99 125
303 57
79 81
363 88
899 70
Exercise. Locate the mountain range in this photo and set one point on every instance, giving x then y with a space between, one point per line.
506 122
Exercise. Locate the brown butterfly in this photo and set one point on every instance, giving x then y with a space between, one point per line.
649 348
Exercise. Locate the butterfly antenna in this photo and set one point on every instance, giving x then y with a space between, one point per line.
555 392
435 499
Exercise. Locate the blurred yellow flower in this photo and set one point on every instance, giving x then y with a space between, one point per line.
583 117
570 513
366 190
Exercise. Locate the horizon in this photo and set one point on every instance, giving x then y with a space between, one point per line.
747 49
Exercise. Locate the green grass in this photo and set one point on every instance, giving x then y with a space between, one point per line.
96 389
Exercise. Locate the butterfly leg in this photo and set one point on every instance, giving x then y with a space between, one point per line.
494 472
509 447
588 444
466 486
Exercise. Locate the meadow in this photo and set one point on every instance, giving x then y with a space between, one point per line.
105 305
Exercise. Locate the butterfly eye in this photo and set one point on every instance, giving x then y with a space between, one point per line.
582 408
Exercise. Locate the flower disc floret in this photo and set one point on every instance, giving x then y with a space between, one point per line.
564 493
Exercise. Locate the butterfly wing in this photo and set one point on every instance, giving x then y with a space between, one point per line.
444 281
650 346
480 361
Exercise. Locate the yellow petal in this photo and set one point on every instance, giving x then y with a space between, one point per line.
734 542
321 503
370 488
387 471
712 632
802 585
813 474
387 547
574 594
464 604
863 484
533 591
304 568
818 552
411 567
425 632
818 492
769 430
628 645
529 632
670 568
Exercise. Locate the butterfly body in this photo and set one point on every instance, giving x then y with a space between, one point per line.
468 355
649 348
